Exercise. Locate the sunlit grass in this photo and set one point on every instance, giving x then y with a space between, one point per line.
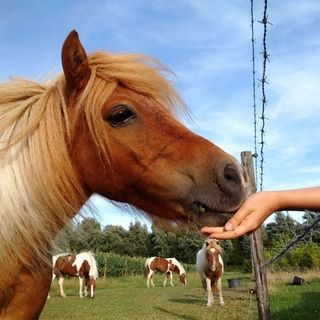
129 298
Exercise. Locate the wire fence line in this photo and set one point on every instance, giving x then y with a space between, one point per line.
254 97
259 176
263 82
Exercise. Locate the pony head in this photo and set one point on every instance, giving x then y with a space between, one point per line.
126 145
183 278
90 284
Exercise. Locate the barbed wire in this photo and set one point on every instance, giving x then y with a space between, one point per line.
263 81
255 155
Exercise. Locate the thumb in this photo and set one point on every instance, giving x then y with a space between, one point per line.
238 217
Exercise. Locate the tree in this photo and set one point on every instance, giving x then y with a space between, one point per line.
159 241
187 244
114 240
314 234
281 230
137 240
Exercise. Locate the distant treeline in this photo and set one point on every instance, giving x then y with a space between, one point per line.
183 244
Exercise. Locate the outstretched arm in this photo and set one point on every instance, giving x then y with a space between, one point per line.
260 205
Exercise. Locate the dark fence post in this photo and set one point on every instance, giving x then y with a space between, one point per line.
257 254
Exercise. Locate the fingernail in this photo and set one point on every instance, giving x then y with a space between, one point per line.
228 226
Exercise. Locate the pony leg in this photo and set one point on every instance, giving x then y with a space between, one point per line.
152 283
219 286
209 292
171 283
63 295
80 287
91 291
165 280
150 280
85 288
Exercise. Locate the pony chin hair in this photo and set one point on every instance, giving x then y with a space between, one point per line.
127 208
165 224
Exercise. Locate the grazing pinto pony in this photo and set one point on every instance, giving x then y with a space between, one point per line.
82 265
209 265
106 125
178 268
155 264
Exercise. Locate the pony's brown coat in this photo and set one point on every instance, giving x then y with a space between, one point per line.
57 148
161 265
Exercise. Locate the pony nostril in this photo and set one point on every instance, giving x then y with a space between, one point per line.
231 173
230 178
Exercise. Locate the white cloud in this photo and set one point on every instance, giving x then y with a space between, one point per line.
298 92
310 170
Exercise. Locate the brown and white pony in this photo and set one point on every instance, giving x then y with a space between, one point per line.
82 265
106 125
155 264
210 267
163 265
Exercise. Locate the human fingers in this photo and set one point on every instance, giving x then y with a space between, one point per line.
209 230
237 218
232 234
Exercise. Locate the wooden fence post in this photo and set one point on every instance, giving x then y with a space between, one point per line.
257 254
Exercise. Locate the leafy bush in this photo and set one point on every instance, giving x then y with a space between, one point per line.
303 256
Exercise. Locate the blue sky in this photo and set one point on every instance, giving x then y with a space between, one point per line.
207 45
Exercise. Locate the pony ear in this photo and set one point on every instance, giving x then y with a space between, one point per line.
75 65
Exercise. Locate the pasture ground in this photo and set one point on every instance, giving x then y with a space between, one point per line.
129 298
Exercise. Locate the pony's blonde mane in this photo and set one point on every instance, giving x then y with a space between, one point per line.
40 191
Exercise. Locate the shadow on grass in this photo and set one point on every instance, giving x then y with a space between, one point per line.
175 314
307 308
189 300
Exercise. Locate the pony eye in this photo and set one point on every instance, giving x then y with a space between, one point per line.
120 115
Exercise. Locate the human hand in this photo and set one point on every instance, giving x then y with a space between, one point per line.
248 218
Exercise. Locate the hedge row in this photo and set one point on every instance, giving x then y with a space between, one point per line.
115 265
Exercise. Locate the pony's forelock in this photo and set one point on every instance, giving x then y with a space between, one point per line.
213 243
136 72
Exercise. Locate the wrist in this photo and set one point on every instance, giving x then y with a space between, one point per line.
274 200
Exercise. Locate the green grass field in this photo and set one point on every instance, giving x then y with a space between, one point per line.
295 302
128 298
